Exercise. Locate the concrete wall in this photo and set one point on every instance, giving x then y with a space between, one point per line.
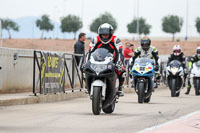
16 75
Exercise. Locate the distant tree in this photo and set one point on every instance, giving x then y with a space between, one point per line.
172 24
198 24
9 25
44 24
71 23
103 18
144 28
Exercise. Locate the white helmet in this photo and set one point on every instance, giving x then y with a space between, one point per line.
105 29
198 51
177 50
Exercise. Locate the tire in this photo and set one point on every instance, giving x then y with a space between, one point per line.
177 94
109 109
173 87
96 101
197 88
147 100
141 92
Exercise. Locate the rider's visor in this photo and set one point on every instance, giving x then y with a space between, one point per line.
145 45
177 51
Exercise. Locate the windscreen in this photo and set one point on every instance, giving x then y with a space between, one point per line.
175 63
144 61
101 54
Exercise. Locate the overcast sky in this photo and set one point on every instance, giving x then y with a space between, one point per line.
122 10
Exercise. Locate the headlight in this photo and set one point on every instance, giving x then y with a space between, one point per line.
136 66
109 66
174 70
98 67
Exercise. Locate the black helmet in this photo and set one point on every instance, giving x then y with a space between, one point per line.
105 29
145 43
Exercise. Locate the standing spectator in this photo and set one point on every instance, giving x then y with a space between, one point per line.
79 47
128 52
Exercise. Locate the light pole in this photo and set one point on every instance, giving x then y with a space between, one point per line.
187 15
138 24
1 40
82 12
64 7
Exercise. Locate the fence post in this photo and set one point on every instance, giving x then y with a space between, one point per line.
128 76
73 58
82 76
41 90
34 91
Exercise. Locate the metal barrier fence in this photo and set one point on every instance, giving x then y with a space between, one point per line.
71 72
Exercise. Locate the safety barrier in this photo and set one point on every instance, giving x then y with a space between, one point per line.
55 70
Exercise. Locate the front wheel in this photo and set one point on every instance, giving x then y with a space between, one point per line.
173 87
141 88
197 87
96 101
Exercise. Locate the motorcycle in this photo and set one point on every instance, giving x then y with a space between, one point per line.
195 74
143 78
175 75
101 81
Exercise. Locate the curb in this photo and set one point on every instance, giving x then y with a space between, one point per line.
42 98
50 98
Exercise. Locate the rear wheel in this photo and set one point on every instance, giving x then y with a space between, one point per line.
177 94
197 88
173 87
141 92
147 100
110 108
96 101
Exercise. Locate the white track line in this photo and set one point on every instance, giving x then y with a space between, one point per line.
168 123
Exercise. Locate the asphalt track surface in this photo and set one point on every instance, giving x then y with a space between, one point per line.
75 116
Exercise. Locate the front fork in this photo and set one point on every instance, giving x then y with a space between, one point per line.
141 80
101 84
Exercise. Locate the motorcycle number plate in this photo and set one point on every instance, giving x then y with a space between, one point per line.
142 68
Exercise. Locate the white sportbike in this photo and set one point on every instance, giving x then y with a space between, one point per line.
195 75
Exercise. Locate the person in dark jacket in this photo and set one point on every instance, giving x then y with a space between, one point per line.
178 55
79 47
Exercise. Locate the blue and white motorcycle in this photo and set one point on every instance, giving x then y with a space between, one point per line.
143 78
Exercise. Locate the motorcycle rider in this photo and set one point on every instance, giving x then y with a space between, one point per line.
147 51
107 40
193 60
178 55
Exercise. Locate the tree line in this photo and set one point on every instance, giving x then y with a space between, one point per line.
71 24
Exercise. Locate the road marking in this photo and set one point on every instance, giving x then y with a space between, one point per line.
169 122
